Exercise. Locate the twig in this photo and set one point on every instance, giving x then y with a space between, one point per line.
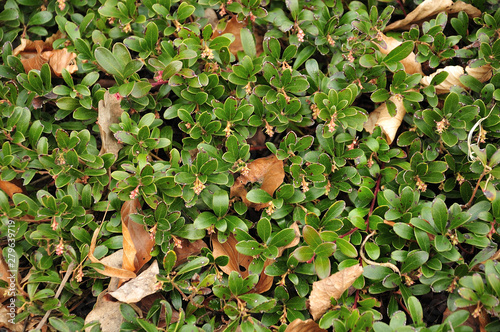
59 291
469 203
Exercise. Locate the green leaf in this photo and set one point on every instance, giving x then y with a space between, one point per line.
414 260
195 264
311 236
322 267
347 248
283 237
109 62
258 196
205 220
264 229
399 53
220 202
184 11
40 18
248 42
415 309
440 215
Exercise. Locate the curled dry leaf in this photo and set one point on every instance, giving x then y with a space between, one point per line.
187 249
139 287
387 44
10 188
431 8
234 26
35 53
482 74
381 117
333 286
137 242
109 112
107 313
300 325
268 171
109 270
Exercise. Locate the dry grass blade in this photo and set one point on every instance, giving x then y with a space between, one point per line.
333 286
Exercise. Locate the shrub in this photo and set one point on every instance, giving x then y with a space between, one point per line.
261 165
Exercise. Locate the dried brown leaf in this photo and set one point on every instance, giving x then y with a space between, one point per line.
5 275
187 249
431 8
109 112
107 312
381 117
139 287
137 242
333 286
482 74
387 44
268 171
109 270
237 261
234 27
36 53
6 318
10 188
300 325
240 263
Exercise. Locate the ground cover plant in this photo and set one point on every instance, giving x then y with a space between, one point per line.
249 165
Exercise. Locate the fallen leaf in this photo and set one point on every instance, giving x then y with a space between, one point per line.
300 325
107 313
114 260
35 53
10 188
387 44
431 8
237 261
482 74
333 286
5 317
187 249
381 117
477 324
109 112
240 263
137 242
4 275
268 171
110 271
140 287
234 26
